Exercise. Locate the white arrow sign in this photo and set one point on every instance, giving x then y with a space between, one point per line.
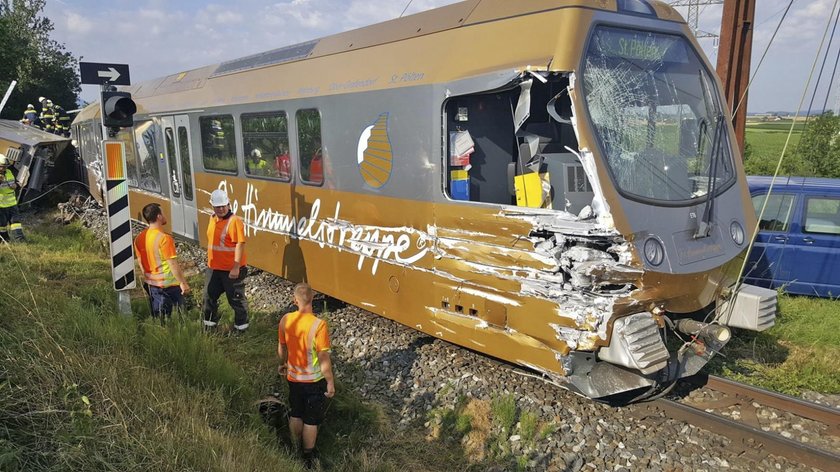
112 74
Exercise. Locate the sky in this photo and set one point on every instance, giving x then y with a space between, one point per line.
162 37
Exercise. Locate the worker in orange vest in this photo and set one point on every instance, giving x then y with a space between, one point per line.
304 350
161 272
226 264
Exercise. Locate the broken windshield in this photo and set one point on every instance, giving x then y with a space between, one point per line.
646 99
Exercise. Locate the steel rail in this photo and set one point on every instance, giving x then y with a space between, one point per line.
813 411
750 438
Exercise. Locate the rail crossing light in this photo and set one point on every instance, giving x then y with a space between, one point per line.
117 109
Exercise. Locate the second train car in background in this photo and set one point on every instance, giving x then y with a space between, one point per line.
550 182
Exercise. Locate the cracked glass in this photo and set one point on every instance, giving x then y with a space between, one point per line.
657 113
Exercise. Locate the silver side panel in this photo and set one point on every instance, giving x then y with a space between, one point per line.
753 308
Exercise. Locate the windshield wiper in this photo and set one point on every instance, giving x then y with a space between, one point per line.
704 226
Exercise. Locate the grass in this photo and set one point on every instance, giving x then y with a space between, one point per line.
767 139
485 428
798 354
84 388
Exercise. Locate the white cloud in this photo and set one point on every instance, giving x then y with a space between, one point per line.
77 24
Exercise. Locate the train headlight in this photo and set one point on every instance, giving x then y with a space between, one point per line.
737 232
654 252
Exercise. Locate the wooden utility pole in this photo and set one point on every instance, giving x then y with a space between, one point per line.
733 67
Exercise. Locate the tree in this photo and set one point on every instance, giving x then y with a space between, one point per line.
792 164
820 146
41 65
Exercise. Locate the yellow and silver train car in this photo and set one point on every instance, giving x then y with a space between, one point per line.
551 182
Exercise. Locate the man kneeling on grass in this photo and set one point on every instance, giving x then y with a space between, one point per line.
304 350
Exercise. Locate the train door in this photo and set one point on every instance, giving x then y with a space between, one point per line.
176 137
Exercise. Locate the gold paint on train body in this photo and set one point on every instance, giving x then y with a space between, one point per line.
376 159
440 293
137 199
6 144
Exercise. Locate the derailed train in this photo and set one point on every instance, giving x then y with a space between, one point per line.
550 182
34 155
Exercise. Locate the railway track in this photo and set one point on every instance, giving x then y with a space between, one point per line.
739 412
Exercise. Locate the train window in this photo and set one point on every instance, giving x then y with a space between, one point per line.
823 216
265 140
656 112
218 143
146 136
310 153
174 180
186 166
131 166
778 212
490 160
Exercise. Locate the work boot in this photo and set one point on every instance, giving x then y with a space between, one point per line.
310 462
17 233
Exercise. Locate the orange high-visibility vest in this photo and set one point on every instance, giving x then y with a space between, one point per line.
155 248
222 236
304 336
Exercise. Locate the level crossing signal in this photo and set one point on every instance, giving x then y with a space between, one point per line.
118 109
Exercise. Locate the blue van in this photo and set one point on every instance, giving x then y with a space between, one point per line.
798 244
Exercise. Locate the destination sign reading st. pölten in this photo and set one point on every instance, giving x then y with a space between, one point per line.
96 73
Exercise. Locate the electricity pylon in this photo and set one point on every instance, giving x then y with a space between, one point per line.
693 15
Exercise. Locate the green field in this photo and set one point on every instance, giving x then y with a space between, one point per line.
766 141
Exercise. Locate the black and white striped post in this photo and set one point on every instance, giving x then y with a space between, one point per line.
119 221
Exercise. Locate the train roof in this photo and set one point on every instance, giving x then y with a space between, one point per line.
450 17
786 182
20 133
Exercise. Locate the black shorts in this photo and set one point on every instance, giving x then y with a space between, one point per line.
307 401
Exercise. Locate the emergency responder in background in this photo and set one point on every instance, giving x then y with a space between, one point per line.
30 116
161 271
257 164
9 217
226 264
47 116
304 350
61 120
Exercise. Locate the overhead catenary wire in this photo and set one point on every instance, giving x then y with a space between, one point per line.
834 71
406 8
784 149
822 66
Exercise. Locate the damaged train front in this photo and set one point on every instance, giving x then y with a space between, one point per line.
657 142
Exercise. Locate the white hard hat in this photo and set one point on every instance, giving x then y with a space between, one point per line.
219 198
4 161
49 102
41 99
256 153
30 106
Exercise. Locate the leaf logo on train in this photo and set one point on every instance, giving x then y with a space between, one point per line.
374 153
